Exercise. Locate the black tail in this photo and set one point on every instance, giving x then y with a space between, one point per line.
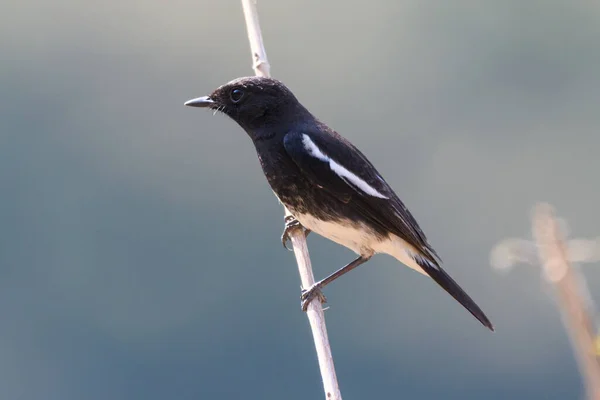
444 280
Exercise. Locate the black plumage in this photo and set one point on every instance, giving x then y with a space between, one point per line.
329 186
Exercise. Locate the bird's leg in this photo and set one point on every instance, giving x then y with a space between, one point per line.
291 223
315 290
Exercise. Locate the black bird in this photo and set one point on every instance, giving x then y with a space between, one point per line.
328 184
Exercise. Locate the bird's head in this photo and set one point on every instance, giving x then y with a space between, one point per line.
253 102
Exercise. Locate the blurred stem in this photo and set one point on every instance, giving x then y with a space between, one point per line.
566 281
315 314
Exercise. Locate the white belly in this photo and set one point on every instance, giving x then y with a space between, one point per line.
361 239
357 238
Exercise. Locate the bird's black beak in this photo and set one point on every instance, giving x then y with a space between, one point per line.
203 101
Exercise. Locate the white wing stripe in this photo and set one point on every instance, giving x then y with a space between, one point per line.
339 170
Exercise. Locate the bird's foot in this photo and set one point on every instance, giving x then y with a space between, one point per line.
291 223
309 294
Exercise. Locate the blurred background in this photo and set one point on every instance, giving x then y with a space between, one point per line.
139 240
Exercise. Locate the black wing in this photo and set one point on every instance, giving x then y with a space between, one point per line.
375 199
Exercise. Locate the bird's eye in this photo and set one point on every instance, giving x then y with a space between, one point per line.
236 95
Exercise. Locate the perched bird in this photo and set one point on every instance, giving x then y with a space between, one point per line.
328 185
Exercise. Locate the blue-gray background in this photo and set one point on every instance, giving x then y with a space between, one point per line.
139 241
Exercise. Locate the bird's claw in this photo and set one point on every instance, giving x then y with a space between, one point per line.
309 294
291 223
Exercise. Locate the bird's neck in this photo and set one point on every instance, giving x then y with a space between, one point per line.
274 123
